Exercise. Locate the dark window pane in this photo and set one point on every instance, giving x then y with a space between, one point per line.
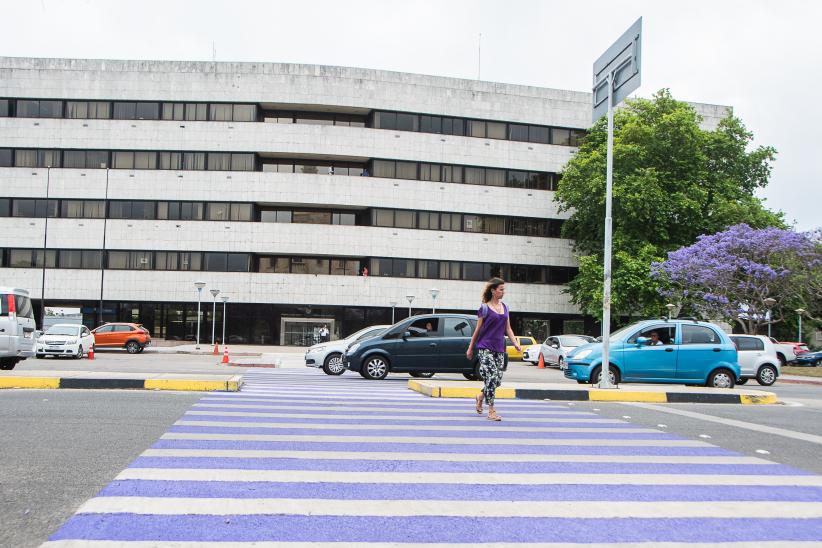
475 175
5 157
23 208
217 212
560 136
311 217
429 220
48 158
96 159
449 270
476 128
381 267
517 179
142 210
385 120
219 161
5 108
406 170
430 172
472 223
404 268
122 159
145 160
245 113
344 219
539 181
383 217
408 122
92 259
71 258
124 111
194 160
576 137
298 266
51 258
495 130
431 124
384 168
27 108
119 210
25 158
517 132
141 260
495 177
473 271
51 109
428 269
317 266
5 207
237 262
539 134
147 111
404 219
242 162
20 258
216 262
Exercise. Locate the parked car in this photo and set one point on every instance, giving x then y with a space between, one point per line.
786 352
65 339
688 352
420 345
511 350
798 347
555 348
131 336
328 355
17 327
809 359
757 359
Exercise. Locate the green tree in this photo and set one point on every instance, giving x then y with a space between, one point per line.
673 181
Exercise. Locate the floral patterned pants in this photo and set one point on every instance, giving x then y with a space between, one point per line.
490 370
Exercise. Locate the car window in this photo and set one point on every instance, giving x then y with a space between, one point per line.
86 332
122 328
573 341
69 330
105 329
524 341
699 334
369 334
426 327
457 327
665 332
748 343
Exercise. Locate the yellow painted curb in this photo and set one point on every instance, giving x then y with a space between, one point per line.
424 389
195 386
764 399
619 395
30 382
459 392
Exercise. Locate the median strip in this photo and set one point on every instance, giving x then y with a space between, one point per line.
119 381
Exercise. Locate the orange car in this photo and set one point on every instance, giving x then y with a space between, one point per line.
131 336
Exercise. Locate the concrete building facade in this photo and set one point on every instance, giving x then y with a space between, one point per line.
308 195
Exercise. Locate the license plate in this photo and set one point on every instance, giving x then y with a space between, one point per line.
26 335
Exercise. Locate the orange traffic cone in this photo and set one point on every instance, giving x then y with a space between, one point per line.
225 354
90 355
541 362
216 350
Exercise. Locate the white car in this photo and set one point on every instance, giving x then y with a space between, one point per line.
65 339
758 359
786 352
556 348
328 355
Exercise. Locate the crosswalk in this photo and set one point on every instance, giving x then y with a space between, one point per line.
299 459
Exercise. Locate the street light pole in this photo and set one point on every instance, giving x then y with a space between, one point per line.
769 302
410 300
214 293
606 286
434 292
800 311
103 254
670 307
199 286
393 304
225 300
45 241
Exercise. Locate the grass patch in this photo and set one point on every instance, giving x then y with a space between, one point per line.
804 371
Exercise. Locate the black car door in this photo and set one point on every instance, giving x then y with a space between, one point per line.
419 351
457 333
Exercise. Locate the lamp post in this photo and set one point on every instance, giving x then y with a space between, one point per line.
224 298
434 292
769 302
799 312
214 293
103 258
670 307
410 300
199 286
393 305
45 241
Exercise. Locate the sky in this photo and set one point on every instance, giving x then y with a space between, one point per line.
760 57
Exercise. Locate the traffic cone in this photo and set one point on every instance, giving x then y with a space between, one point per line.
216 350
225 355
541 361
90 355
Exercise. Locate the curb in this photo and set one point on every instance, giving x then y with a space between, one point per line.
231 385
595 394
810 380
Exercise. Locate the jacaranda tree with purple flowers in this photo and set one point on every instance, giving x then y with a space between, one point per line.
729 275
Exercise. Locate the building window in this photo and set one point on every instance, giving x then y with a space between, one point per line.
220 113
237 262
122 160
219 161
173 111
197 112
5 108
345 267
406 170
215 262
191 261
560 136
124 111
21 258
384 168
496 130
384 217
495 177
539 134
25 158
381 267
404 268
244 113
343 219
385 120
5 207
6 157
217 212
242 162
147 111
275 216
194 160
404 219
517 132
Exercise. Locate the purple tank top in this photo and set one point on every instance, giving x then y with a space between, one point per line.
492 336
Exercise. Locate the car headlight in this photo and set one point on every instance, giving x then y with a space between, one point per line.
352 348
582 354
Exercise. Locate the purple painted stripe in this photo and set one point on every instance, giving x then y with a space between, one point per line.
448 491
470 420
388 400
344 465
358 412
296 431
442 448
288 528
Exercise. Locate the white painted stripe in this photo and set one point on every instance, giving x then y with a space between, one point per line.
388 409
435 440
462 478
415 428
279 544
449 457
332 416
465 508
408 402
738 424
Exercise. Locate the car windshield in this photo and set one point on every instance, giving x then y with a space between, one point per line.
572 341
619 333
63 330
353 336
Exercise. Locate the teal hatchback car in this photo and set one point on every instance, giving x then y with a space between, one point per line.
661 351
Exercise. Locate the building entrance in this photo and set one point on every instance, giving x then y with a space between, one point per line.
304 331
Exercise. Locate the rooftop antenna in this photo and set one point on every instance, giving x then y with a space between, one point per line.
479 57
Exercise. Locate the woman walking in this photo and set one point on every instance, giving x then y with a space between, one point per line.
489 340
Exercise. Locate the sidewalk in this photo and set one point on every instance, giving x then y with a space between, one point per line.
799 379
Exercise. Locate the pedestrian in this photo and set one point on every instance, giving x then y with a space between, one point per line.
489 339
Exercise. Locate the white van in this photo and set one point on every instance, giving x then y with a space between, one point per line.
16 327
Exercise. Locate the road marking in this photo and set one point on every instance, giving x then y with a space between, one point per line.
296 544
304 476
364 417
811 438
436 441
422 409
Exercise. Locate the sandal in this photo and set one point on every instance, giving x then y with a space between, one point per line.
478 399
492 416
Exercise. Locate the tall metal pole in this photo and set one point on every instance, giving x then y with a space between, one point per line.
103 254
225 300
45 241
214 293
199 286
799 312
606 286
393 305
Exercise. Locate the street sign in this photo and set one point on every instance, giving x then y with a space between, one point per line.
622 62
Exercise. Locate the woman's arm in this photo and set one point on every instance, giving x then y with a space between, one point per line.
469 353
514 339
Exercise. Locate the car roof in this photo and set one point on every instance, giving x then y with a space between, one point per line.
66 325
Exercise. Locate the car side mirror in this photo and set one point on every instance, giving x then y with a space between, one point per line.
554 346
642 341
406 335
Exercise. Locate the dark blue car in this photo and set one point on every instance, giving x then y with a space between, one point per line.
420 345
808 359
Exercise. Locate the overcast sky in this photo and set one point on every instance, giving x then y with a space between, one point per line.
761 57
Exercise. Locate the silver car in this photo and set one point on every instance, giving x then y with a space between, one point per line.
328 355
556 348
758 359
65 339
17 327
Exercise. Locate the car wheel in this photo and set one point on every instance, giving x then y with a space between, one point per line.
422 374
7 364
376 368
132 347
561 362
40 356
581 382
141 349
781 358
766 375
721 378
596 374
741 381
362 374
79 353
333 364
